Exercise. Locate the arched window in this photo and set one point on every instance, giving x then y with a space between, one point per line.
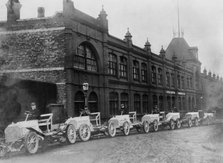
161 103
112 64
153 75
137 103
93 102
123 67
145 104
85 58
78 102
135 70
160 76
167 79
113 103
144 72
125 101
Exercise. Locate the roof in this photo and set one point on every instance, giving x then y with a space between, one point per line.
180 48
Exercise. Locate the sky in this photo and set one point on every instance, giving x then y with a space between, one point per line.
201 21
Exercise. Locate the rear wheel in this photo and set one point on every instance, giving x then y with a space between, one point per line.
172 124
196 123
189 123
84 132
32 142
146 126
111 129
155 125
3 151
178 124
126 128
71 134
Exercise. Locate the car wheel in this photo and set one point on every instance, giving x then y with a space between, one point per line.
189 123
196 123
155 125
126 128
84 132
172 124
3 151
71 135
111 129
32 143
178 124
146 126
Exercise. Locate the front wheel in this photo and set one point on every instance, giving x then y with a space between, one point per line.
71 134
172 124
155 125
178 124
111 129
146 126
3 151
32 143
189 123
84 132
196 123
126 128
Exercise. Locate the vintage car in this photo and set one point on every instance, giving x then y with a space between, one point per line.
171 119
29 134
128 121
88 125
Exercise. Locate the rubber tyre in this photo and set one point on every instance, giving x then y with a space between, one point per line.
155 126
84 132
189 123
178 124
172 124
196 123
126 128
71 134
32 143
111 129
3 151
145 127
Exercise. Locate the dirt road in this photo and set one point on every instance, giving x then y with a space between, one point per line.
198 145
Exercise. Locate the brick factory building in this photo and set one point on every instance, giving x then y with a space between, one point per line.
47 59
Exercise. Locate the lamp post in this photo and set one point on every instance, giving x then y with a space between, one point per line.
85 89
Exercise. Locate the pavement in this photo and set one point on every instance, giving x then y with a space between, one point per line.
203 144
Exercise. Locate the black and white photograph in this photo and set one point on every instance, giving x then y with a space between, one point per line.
111 81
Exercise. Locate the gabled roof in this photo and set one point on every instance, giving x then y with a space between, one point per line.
179 48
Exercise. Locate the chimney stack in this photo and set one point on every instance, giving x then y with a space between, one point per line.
13 10
41 12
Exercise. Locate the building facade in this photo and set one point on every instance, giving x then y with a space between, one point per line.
47 60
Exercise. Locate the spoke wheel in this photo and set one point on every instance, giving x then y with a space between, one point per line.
111 129
126 128
84 132
32 142
3 151
71 135
155 125
178 124
172 125
196 123
146 126
189 123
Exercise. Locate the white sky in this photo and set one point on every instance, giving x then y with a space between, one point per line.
201 20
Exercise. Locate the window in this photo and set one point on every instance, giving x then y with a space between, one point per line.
93 102
123 67
160 76
85 58
113 103
182 82
144 72
161 103
178 81
168 79
191 84
155 101
145 104
169 103
78 102
124 100
188 82
172 80
153 75
137 106
112 64
136 70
